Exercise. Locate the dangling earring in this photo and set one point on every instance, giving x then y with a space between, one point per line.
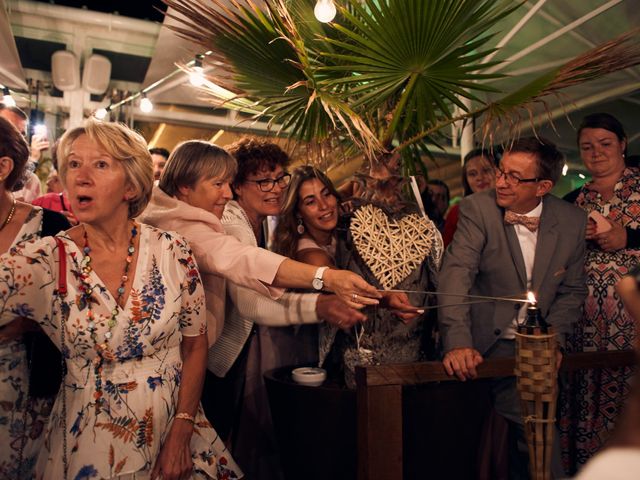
300 227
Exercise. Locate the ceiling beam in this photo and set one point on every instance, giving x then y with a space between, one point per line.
549 38
599 97
87 18
204 120
635 101
517 27
11 73
538 67
579 37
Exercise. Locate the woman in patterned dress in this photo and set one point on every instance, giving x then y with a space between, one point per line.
594 397
23 411
307 231
124 303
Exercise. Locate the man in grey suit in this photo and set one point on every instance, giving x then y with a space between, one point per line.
511 240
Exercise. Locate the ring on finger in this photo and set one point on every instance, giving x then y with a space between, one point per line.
354 297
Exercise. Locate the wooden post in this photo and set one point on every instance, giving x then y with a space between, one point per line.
379 410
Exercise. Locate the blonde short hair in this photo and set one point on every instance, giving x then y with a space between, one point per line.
124 145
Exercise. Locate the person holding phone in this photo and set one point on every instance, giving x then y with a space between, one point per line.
612 201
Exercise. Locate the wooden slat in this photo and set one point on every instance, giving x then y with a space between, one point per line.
380 410
380 402
425 372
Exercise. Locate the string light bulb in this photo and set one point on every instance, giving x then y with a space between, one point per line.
7 99
196 77
565 169
146 105
101 113
325 10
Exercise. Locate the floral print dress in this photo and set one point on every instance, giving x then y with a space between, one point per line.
139 388
22 417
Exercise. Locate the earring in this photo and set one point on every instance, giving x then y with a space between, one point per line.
300 227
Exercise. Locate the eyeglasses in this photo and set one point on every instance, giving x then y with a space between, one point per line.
512 180
267 184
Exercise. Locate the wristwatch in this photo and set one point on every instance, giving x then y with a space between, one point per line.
317 282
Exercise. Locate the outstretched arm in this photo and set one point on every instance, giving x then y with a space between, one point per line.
292 308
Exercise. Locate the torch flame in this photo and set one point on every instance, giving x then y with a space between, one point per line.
531 297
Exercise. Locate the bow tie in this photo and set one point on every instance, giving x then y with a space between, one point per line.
532 223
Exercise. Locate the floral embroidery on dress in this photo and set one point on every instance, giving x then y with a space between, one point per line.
22 418
139 385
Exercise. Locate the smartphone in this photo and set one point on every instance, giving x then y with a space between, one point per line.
40 129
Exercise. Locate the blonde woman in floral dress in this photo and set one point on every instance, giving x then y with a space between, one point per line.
131 324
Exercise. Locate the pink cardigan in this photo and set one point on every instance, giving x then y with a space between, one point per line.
218 255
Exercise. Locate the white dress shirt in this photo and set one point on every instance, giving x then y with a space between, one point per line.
528 241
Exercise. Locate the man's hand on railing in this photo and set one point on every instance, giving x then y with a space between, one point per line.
462 362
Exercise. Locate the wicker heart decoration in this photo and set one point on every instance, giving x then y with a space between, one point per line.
392 249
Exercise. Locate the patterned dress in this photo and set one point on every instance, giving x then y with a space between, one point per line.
592 399
382 339
22 417
140 387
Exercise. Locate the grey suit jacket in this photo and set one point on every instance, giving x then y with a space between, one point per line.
484 258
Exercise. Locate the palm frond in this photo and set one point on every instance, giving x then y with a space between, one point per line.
423 55
271 64
387 72
505 117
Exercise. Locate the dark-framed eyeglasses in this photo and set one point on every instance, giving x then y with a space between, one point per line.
267 184
512 180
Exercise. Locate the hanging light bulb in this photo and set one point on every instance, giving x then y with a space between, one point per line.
325 10
145 104
7 98
101 113
196 77
565 169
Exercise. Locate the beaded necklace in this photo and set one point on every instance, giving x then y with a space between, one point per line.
10 216
102 349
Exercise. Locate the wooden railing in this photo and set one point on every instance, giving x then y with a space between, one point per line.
379 394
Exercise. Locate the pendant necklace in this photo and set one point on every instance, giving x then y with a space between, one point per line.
103 352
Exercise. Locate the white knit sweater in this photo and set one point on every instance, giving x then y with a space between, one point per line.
248 307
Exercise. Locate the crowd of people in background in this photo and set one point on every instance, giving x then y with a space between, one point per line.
149 282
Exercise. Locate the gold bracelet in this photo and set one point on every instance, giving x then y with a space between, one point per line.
185 416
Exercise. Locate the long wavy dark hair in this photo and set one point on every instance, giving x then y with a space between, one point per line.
286 235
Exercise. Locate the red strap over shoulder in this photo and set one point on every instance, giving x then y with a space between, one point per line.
62 266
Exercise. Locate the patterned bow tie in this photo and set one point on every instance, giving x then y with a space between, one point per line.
532 223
